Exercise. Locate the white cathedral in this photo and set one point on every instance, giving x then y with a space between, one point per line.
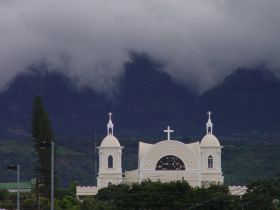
198 163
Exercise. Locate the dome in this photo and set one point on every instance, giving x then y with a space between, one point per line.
110 141
209 140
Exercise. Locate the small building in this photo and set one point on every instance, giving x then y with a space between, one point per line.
83 191
238 190
12 187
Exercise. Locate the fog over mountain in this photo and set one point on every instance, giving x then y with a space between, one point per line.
198 42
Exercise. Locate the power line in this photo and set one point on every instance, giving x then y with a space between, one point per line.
218 197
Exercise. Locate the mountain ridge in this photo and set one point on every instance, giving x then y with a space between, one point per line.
148 100
245 107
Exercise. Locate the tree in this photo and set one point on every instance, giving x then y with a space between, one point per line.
92 204
38 111
42 133
262 194
165 196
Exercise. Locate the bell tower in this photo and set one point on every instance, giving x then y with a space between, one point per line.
210 148
110 158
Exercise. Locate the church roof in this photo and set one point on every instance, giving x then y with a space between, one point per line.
194 147
110 141
143 148
209 140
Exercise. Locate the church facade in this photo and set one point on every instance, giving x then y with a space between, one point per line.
198 163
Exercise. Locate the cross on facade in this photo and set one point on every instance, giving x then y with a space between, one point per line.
168 131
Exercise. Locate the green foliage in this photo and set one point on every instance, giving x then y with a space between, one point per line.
92 204
45 203
214 197
261 194
7 204
243 160
179 195
67 203
3 195
30 203
157 195
27 203
69 191
38 112
42 133
45 133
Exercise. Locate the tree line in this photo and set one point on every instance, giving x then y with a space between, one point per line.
148 195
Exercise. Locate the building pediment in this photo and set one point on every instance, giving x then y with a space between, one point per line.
188 153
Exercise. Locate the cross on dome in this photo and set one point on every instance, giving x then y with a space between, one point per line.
209 114
168 131
209 124
110 125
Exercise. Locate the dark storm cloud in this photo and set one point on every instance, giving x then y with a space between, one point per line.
198 41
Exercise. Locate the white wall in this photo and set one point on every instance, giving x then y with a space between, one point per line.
211 174
112 175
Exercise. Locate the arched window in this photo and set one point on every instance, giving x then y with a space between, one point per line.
110 161
170 162
210 161
109 184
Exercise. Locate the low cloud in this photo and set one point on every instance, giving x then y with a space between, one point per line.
199 42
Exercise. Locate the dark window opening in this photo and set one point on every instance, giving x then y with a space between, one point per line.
110 161
170 162
210 161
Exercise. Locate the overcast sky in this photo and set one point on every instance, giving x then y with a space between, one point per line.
198 41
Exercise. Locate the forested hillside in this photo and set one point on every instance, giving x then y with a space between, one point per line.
245 106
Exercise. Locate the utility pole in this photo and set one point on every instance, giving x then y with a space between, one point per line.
44 145
52 176
18 176
17 168
95 158
37 194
